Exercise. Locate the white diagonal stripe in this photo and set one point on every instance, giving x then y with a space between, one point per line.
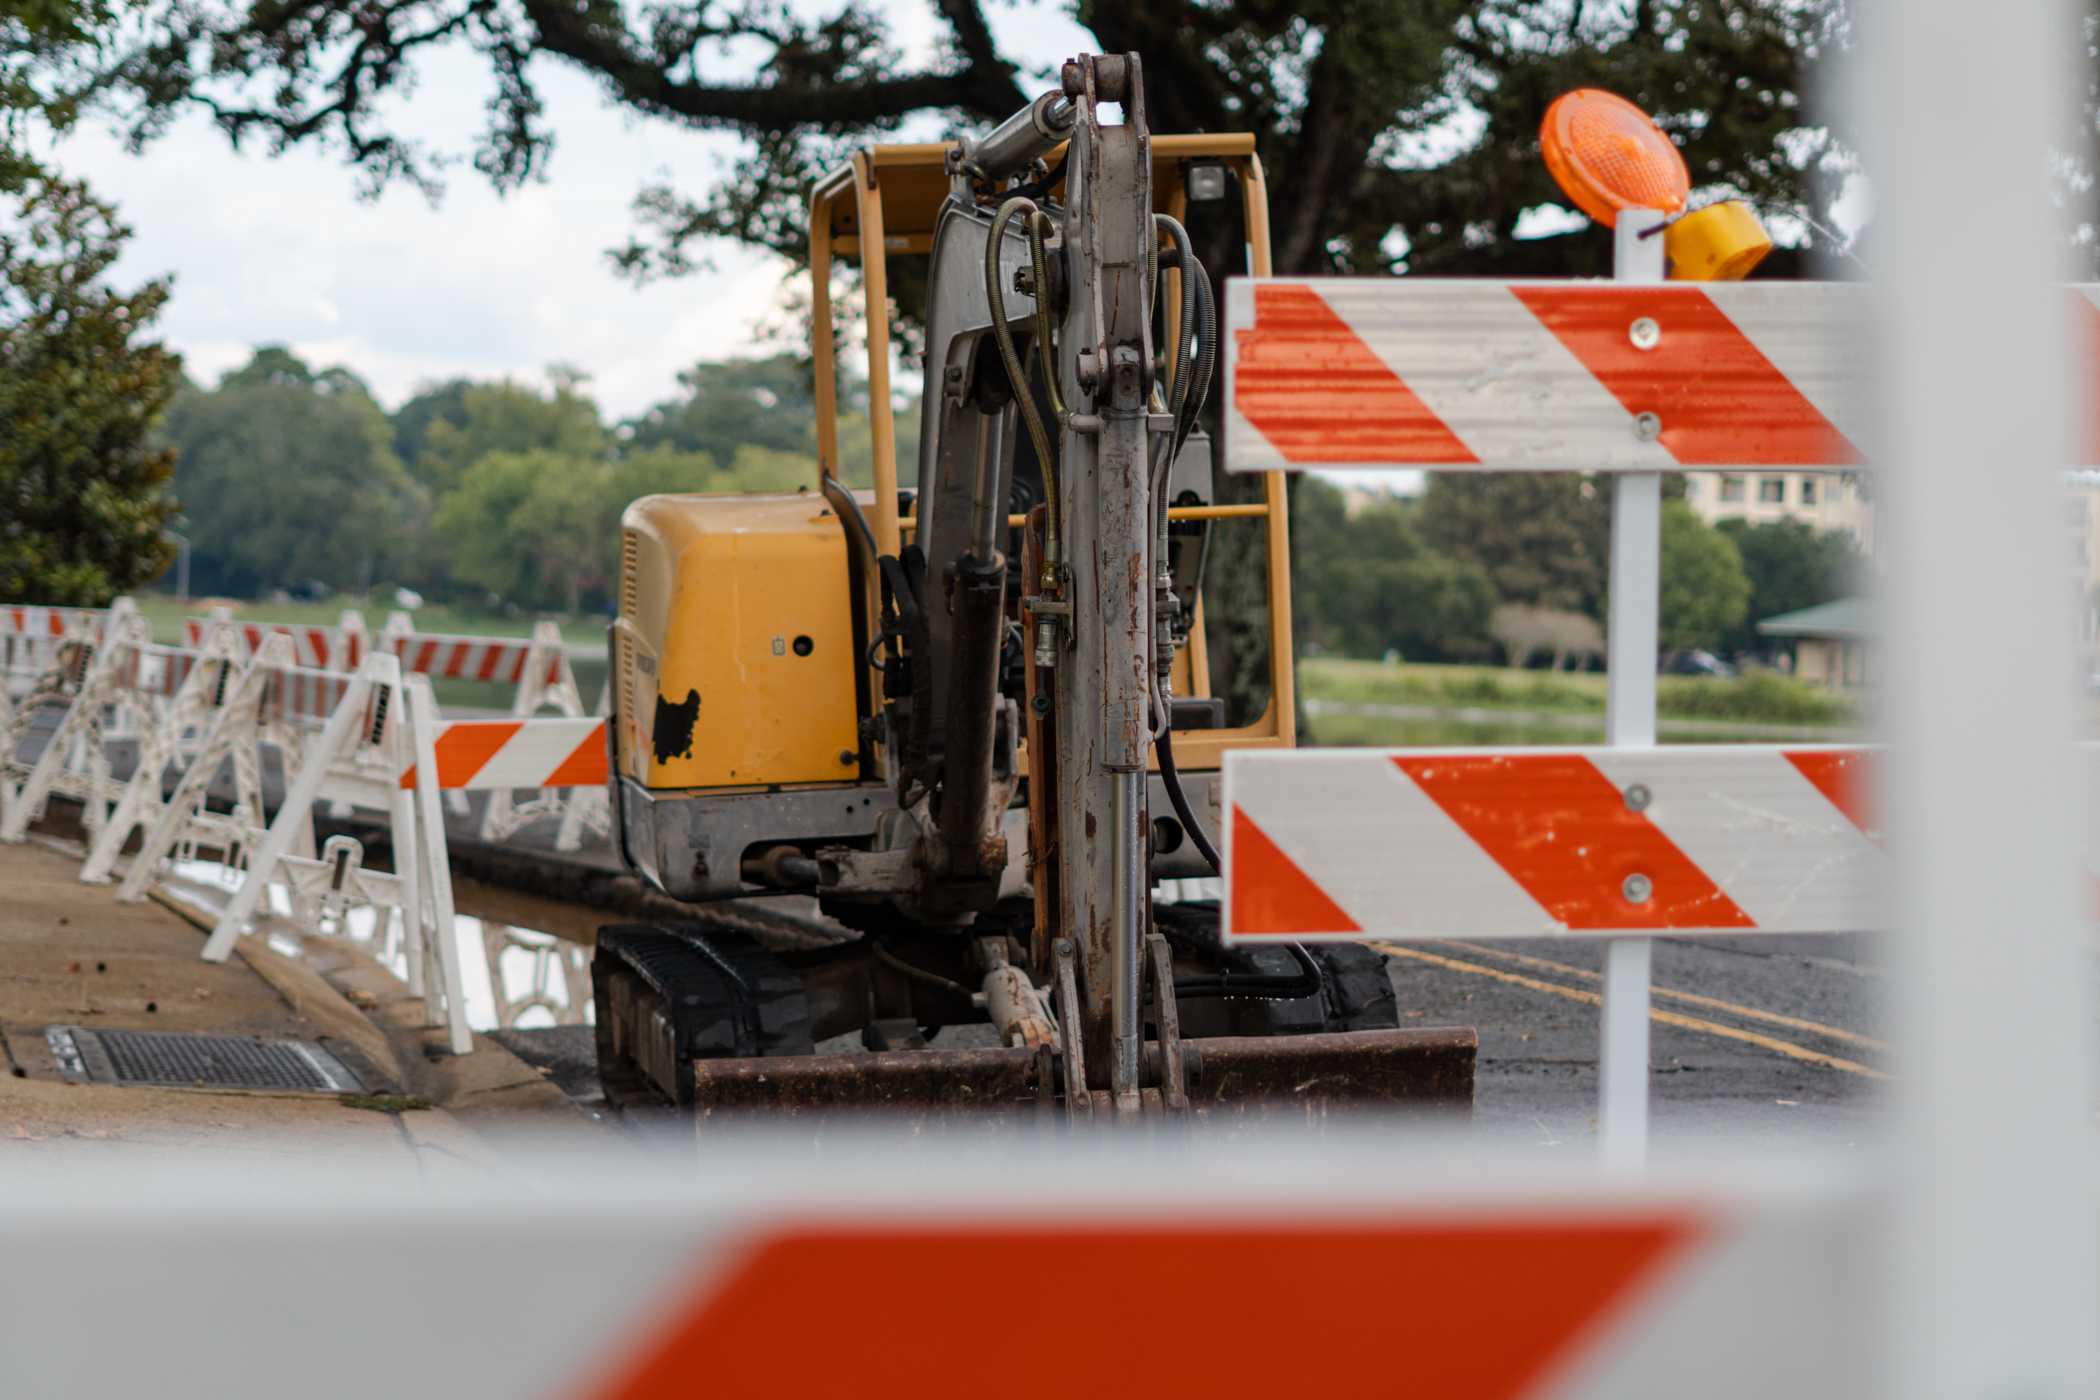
1479 360
1817 340
1378 846
1762 832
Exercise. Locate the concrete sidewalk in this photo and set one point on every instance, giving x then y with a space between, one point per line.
70 954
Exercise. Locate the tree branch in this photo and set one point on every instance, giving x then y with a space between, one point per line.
579 35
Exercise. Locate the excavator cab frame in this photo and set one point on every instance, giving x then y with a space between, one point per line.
888 198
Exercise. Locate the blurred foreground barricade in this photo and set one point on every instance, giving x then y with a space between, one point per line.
750 1273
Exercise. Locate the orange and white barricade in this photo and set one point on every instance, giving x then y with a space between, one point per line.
1632 378
30 637
565 759
1543 843
314 647
539 667
99 685
43 656
1465 374
647 1279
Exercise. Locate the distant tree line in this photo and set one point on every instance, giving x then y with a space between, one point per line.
1514 567
493 493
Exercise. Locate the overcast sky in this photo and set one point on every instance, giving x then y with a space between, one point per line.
403 293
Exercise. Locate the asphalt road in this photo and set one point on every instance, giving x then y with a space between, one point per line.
1748 1036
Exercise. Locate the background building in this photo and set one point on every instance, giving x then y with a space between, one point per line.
1824 500
1829 641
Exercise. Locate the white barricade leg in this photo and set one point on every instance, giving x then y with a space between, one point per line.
586 810
408 864
126 722
437 866
55 686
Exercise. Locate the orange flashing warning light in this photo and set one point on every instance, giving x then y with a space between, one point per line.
1608 155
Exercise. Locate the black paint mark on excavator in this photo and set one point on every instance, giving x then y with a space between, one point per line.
672 735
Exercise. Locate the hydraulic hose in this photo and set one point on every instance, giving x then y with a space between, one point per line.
836 492
1169 775
1263 985
1010 358
1184 373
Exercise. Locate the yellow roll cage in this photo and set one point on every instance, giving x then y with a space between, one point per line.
888 198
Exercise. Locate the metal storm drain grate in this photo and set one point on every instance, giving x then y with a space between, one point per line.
188 1060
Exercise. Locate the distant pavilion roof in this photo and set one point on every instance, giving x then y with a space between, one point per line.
1846 619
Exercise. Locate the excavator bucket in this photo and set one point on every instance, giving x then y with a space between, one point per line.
706 1020
1227 1078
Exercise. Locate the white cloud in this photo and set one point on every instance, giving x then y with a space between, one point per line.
400 291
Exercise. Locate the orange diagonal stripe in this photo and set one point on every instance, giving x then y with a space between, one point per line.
1270 894
1310 385
463 747
1563 831
1841 777
1482 1308
1721 402
585 765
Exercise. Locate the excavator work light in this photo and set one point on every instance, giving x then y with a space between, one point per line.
1204 180
1608 155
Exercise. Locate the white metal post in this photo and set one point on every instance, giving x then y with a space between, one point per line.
1629 722
1995 1260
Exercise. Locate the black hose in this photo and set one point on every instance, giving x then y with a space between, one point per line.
1040 190
1264 985
849 509
1171 777
1206 356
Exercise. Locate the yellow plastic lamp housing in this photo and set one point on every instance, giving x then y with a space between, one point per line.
1608 155
1720 243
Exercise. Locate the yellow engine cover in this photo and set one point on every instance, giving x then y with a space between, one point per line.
734 646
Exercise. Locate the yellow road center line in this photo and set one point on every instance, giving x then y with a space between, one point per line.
1667 1018
1690 998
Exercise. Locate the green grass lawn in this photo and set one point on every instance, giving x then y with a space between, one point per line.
1763 697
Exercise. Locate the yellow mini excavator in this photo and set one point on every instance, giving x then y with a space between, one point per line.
972 719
